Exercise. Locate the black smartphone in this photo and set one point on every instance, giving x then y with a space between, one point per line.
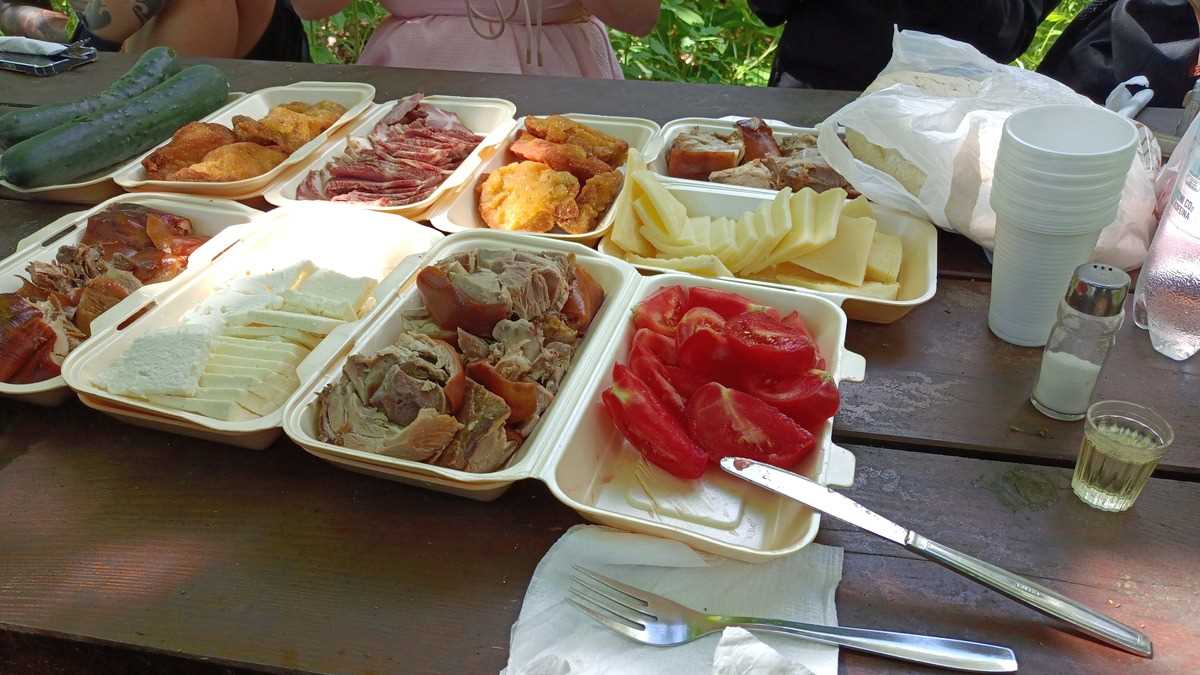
45 66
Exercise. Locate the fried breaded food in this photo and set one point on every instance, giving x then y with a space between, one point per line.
528 197
326 111
188 145
235 161
286 127
594 199
559 129
558 156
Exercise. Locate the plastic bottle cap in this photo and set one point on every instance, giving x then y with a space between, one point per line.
1098 290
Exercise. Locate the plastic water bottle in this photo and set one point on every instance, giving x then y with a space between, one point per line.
1167 299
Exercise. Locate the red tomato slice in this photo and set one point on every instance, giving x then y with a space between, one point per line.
808 398
701 343
727 304
765 343
662 311
794 320
686 381
728 423
654 374
646 341
647 425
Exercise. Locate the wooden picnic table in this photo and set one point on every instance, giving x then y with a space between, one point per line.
129 550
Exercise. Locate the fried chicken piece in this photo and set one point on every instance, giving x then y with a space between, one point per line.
594 199
284 126
558 156
235 161
559 129
188 145
528 197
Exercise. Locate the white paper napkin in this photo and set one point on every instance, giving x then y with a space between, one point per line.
552 637
22 45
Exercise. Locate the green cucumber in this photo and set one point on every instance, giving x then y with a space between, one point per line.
86 145
151 69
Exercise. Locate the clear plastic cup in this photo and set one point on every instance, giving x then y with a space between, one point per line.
1122 444
1030 272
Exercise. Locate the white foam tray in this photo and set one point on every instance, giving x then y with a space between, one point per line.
918 240
210 217
355 96
661 145
490 117
462 212
577 452
350 241
89 190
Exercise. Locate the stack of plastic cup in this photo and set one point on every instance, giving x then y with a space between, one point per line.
1057 183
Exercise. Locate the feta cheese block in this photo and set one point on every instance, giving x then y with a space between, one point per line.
336 287
274 282
307 303
166 361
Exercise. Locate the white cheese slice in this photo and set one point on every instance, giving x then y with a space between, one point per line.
883 261
308 323
218 361
266 332
338 288
274 282
287 349
208 379
219 367
220 409
261 354
307 303
163 361
225 302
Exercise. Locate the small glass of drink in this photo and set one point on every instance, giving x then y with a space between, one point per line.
1122 443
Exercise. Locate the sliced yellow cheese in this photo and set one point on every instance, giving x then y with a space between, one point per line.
883 261
744 234
814 224
625 226
724 240
659 207
844 258
703 265
858 207
797 276
674 247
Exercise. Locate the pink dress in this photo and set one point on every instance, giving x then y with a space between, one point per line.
437 34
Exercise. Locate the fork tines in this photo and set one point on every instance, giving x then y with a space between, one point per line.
609 602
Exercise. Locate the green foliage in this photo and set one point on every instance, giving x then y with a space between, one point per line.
341 37
701 41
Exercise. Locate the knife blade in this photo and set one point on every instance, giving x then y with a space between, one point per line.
1021 589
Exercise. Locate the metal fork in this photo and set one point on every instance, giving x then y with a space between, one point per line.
655 620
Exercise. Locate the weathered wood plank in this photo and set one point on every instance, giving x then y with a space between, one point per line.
275 559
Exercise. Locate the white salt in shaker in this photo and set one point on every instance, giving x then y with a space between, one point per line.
1089 317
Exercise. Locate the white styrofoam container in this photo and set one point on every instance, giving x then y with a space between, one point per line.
490 117
89 190
210 217
661 145
355 96
350 241
918 240
577 451
462 213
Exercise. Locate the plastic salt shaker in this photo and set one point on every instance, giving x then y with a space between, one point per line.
1089 317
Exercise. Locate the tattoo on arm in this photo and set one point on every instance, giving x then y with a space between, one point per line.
145 10
95 15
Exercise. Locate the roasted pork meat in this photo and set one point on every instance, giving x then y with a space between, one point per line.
404 158
509 322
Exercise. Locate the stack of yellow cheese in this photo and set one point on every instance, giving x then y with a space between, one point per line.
817 240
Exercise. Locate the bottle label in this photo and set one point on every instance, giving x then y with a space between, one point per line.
1183 203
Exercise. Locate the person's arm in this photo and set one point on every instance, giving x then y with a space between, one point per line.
32 19
636 17
318 9
115 20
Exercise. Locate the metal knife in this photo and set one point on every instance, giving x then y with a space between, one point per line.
1018 588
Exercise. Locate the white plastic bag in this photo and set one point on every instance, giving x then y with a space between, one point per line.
939 106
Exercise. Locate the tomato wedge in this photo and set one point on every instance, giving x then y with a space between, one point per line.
701 343
646 341
686 381
727 304
647 425
729 423
654 374
661 311
808 398
765 343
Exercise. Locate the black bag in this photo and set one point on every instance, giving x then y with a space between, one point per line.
1111 41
